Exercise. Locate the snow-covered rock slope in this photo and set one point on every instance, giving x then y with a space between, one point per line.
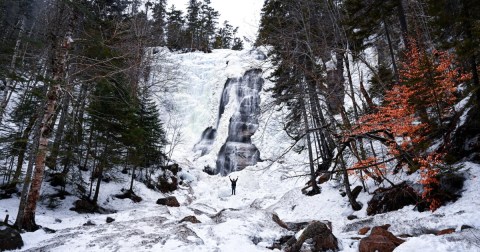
241 222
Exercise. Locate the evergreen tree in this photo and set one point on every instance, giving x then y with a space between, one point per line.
176 35
159 22
224 38
456 26
193 23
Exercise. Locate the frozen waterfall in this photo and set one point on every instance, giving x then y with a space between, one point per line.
238 151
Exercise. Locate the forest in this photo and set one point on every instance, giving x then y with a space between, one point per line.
370 90
75 94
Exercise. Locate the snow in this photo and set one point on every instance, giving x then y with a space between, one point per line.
241 222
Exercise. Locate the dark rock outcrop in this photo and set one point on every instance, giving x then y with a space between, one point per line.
168 181
10 238
89 223
321 236
379 240
87 206
168 201
466 139
191 219
110 220
128 194
84 206
393 198
57 179
7 191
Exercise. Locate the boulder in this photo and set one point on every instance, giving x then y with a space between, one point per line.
169 201
84 206
321 236
7 191
379 240
446 231
168 180
128 194
10 238
89 223
391 199
87 206
110 220
174 168
363 231
58 179
191 219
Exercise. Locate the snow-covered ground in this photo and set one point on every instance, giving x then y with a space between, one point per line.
242 222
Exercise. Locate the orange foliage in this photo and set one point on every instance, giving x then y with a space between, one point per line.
411 109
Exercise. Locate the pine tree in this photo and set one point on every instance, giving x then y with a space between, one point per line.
159 22
176 35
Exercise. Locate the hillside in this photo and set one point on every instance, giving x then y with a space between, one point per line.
229 222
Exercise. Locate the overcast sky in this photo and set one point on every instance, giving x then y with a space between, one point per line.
242 13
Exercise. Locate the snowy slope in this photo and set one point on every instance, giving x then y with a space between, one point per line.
242 222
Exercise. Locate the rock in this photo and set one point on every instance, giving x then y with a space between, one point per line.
463 227
386 226
89 223
169 201
321 235
390 199
466 140
174 168
343 194
446 231
352 217
379 240
168 181
84 206
7 191
356 191
191 219
10 238
128 194
110 220
58 179
363 231
256 240
49 230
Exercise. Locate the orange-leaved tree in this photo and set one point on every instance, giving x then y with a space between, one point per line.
413 113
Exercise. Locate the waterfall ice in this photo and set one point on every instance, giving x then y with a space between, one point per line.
238 150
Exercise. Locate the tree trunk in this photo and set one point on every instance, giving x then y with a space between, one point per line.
22 149
392 55
54 93
403 23
28 175
52 159
346 183
315 188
